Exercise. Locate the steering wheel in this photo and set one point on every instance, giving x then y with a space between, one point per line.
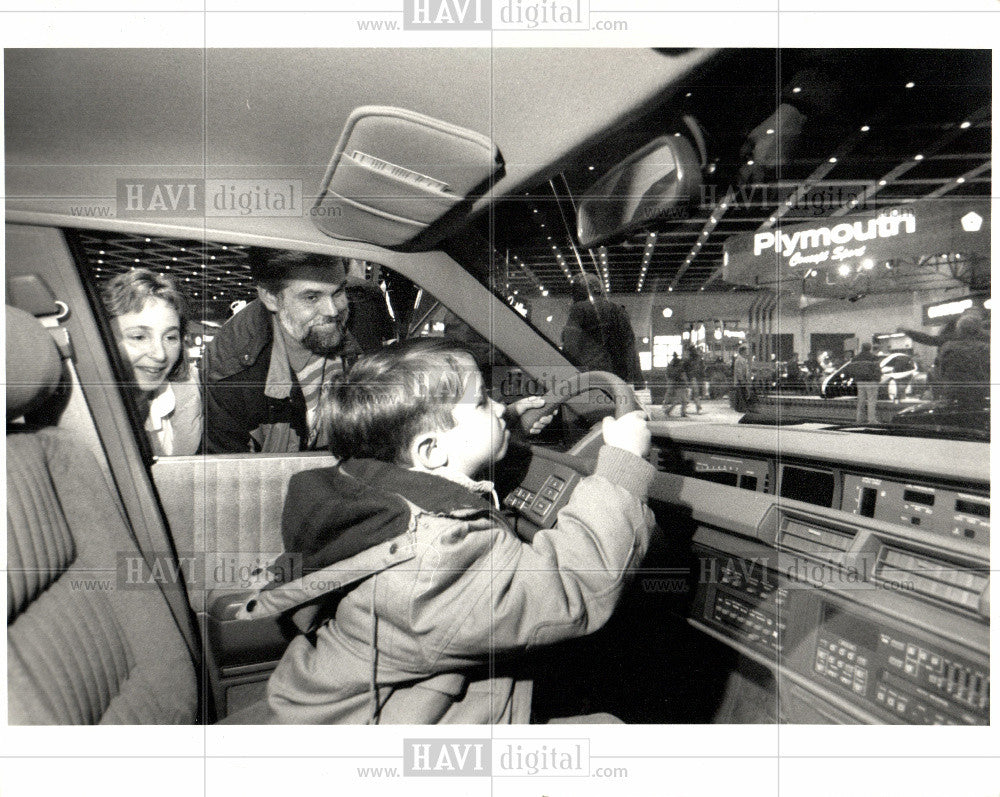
549 477
614 389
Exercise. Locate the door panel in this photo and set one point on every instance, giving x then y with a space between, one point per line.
224 511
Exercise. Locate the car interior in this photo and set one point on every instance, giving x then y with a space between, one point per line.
805 571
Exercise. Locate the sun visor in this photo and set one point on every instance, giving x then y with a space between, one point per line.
396 172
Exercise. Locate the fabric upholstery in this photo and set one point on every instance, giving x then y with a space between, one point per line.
228 511
82 647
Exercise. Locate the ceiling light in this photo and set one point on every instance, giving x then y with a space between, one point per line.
833 160
865 128
750 163
910 85
881 182
590 169
549 318
960 180
769 132
667 312
965 125
918 157
797 90
534 210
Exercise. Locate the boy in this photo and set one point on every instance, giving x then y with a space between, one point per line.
436 582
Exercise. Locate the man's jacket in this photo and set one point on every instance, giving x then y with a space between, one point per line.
864 368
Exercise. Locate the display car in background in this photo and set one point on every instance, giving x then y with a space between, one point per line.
799 574
899 373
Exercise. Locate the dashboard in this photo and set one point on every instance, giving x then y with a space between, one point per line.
858 578
863 588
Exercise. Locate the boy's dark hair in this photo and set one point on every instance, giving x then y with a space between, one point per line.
391 396
269 267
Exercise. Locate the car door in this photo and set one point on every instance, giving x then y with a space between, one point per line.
223 511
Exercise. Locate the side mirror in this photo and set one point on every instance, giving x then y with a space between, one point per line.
659 179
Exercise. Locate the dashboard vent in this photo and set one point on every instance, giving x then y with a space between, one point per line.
826 544
942 581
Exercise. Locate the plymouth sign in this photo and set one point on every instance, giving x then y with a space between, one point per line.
835 251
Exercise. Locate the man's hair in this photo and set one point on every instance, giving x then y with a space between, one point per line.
269 268
129 291
586 286
866 348
391 396
969 326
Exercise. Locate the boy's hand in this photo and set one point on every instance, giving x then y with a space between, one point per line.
519 407
630 432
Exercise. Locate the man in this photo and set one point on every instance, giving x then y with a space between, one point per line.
694 367
598 334
864 370
273 361
741 379
964 365
677 387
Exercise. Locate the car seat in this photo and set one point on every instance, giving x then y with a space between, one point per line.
83 646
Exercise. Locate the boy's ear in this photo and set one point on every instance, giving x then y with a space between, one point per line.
427 452
268 299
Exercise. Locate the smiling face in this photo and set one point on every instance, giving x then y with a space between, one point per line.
312 307
150 339
479 436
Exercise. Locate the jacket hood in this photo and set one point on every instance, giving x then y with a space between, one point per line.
334 513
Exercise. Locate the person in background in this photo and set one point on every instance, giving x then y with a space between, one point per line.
149 321
964 365
864 370
694 368
947 333
741 379
598 334
677 387
814 373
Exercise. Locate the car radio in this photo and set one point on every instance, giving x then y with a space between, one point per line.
903 676
848 653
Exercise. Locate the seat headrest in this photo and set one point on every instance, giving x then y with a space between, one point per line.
34 367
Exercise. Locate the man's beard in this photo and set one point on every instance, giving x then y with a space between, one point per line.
326 342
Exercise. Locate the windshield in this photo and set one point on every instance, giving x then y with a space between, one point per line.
840 233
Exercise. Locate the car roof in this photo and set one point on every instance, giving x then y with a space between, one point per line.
78 119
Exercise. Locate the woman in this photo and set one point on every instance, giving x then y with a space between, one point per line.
149 322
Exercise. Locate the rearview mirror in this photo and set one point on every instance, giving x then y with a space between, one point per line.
659 179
